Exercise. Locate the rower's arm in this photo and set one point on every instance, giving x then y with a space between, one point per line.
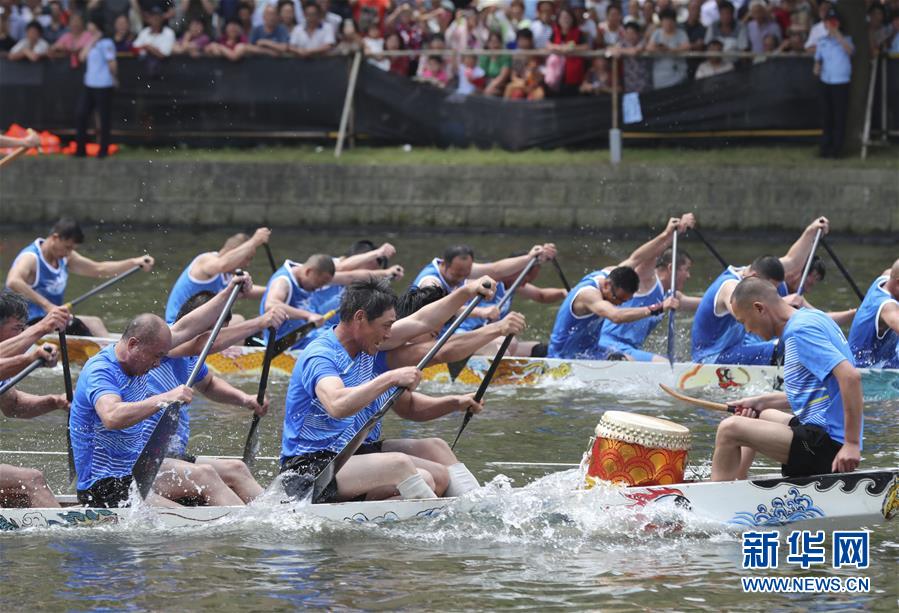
510 266
204 317
542 295
850 381
118 415
688 303
795 259
10 367
420 407
340 401
843 318
218 390
277 297
434 315
209 265
20 278
55 319
233 334
643 259
20 405
594 302
889 315
87 267
362 260
350 276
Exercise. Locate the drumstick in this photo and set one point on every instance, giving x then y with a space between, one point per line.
706 404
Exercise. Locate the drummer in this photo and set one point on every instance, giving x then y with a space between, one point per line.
813 428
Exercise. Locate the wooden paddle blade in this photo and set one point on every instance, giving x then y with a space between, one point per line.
706 404
455 368
147 466
251 448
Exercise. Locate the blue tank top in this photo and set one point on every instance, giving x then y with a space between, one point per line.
186 286
634 333
171 373
49 282
297 297
100 452
576 336
473 323
433 270
307 425
713 333
871 347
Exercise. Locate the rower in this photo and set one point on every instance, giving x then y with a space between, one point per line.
344 376
540 295
601 295
458 265
41 270
816 273
176 371
211 271
874 336
113 413
813 428
25 487
717 337
652 263
294 287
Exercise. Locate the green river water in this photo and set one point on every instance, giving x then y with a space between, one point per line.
508 556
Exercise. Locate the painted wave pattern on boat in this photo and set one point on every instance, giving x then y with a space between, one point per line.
793 507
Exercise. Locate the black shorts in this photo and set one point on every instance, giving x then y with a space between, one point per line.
106 493
313 463
811 452
76 327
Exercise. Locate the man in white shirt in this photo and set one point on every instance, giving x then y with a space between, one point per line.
313 37
156 39
819 30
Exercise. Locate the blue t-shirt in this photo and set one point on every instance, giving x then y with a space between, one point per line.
49 282
278 35
171 373
307 425
576 336
813 346
186 286
836 64
874 345
99 452
634 333
97 73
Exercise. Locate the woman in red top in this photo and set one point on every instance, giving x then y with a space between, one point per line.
568 37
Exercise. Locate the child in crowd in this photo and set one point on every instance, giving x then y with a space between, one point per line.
435 71
194 41
374 45
398 65
472 77
598 79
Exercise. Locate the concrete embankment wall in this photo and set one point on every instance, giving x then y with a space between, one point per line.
862 201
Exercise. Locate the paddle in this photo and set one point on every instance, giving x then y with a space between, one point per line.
808 263
706 404
290 339
709 247
150 459
484 383
323 478
836 260
456 368
17 152
558 268
104 285
271 258
67 380
251 447
11 383
673 292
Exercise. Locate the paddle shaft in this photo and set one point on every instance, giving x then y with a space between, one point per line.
709 246
103 286
150 459
271 258
558 268
484 383
289 340
11 383
67 380
323 478
849 279
706 404
808 263
249 449
673 292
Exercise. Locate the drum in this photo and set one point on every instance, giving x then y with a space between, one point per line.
633 449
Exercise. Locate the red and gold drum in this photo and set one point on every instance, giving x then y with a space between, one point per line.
633 449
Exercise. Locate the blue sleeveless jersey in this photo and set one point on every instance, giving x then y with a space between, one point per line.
49 282
713 333
433 270
634 334
297 297
473 323
874 345
171 373
99 452
307 425
186 286
576 336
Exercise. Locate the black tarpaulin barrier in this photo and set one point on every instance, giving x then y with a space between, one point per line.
216 102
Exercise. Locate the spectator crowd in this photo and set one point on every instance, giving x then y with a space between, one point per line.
650 36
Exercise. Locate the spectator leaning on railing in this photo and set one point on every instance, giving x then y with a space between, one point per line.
156 41
313 37
761 25
668 39
714 65
32 47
